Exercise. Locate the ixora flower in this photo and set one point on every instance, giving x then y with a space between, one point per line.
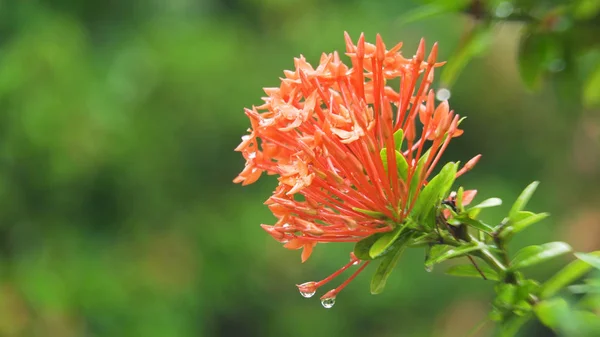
355 155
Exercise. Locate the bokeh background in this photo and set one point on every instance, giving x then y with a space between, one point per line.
118 216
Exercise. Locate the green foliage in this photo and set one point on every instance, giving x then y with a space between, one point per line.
469 270
517 297
374 214
550 312
569 274
522 200
522 220
491 202
401 164
433 192
465 218
384 243
398 138
555 37
590 259
450 253
363 247
475 42
451 236
591 94
387 264
533 255
434 8
536 51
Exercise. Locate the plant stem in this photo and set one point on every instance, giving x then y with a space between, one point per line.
500 264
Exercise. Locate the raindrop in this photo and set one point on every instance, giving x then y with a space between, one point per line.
557 65
428 268
328 302
443 94
307 289
307 294
504 9
355 263
252 155
286 225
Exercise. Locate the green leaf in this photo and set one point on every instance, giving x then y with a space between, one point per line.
398 138
469 270
584 320
429 220
432 10
586 9
590 259
550 312
569 274
522 200
511 326
533 255
506 294
414 182
505 230
496 315
424 239
532 58
401 164
522 215
432 194
459 199
373 214
567 83
451 253
475 223
362 247
491 202
591 91
388 262
473 213
582 288
385 242
524 290
437 250
522 224
476 41
525 219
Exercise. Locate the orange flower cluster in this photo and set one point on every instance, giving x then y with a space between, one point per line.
322 132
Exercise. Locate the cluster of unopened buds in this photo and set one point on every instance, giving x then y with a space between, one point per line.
352 153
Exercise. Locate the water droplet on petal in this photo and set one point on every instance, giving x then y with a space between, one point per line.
286 225
328 302
443 94
356 263
428 268
308 289
557 65
307 294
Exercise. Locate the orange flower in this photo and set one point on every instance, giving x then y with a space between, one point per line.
322 132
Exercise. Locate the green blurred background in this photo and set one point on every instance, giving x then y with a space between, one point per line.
118 216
